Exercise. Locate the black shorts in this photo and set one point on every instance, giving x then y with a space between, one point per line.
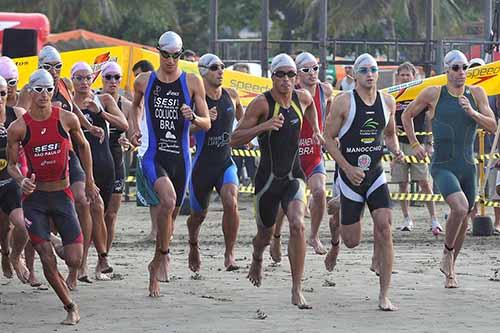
270 193
177 171
76 173
117 153
10 196
373 190
59 206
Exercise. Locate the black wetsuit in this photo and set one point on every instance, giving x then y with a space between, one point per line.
10 193
117 153
361 144
279 178
213 165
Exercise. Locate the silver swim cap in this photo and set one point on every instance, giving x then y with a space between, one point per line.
282 60
3 83
206 61
454 57
364 60
476 62
8 68
81 66
305 58
170 42
48 54
41 78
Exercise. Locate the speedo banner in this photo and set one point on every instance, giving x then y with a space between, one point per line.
486 76
248 86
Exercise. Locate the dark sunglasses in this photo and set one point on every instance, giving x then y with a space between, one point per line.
108 77
216 67
12 82
48 67
365 70
282 74
167 55
40 90
3 93
456 68
87 78
313 69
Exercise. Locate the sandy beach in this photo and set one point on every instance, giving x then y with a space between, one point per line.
220 301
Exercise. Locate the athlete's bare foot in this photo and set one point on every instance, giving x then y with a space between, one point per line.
194 261
450 282
374 267
230 262
83 274
331 257
162 274
317 246
255 272
299 300
385 304
154 284
71 279
275 248
73 316
102 265
33 281
446 266
6 267
150 238
22 271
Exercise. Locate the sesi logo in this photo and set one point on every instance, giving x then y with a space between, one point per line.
49 147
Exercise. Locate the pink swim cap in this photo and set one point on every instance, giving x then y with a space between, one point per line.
111 67
8 69
81 66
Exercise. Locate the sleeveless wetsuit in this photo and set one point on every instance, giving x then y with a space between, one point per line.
279 178
164 151
102 161
311 155
213 165
47 146
361 144
10 193
117 153
63 96
452 167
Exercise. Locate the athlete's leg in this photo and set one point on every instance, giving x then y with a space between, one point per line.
334 223
5 235
382 221
110 218
230 223
426 188
29 255
407 222
56 280
167 195
275 248
316 184
153 213
99 235
194 225
297 249
82 206
260 241
19 240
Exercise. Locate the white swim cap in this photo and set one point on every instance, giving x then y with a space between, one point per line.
8 68
48 54
3 83
111 67
81 66
364 60
41 78
170 42
454 57
282 60
206 61
305 58
476 62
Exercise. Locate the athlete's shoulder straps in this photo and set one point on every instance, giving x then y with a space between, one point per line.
63 89
185 89
271 104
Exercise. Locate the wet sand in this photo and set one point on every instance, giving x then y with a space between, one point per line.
220 301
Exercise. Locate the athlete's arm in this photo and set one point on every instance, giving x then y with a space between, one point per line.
311 114
334 122
390 137
136 111
72 125
328 91
484 116
114 115
19 111
202 118
24 98
426 99
238 108
15 135
252 123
